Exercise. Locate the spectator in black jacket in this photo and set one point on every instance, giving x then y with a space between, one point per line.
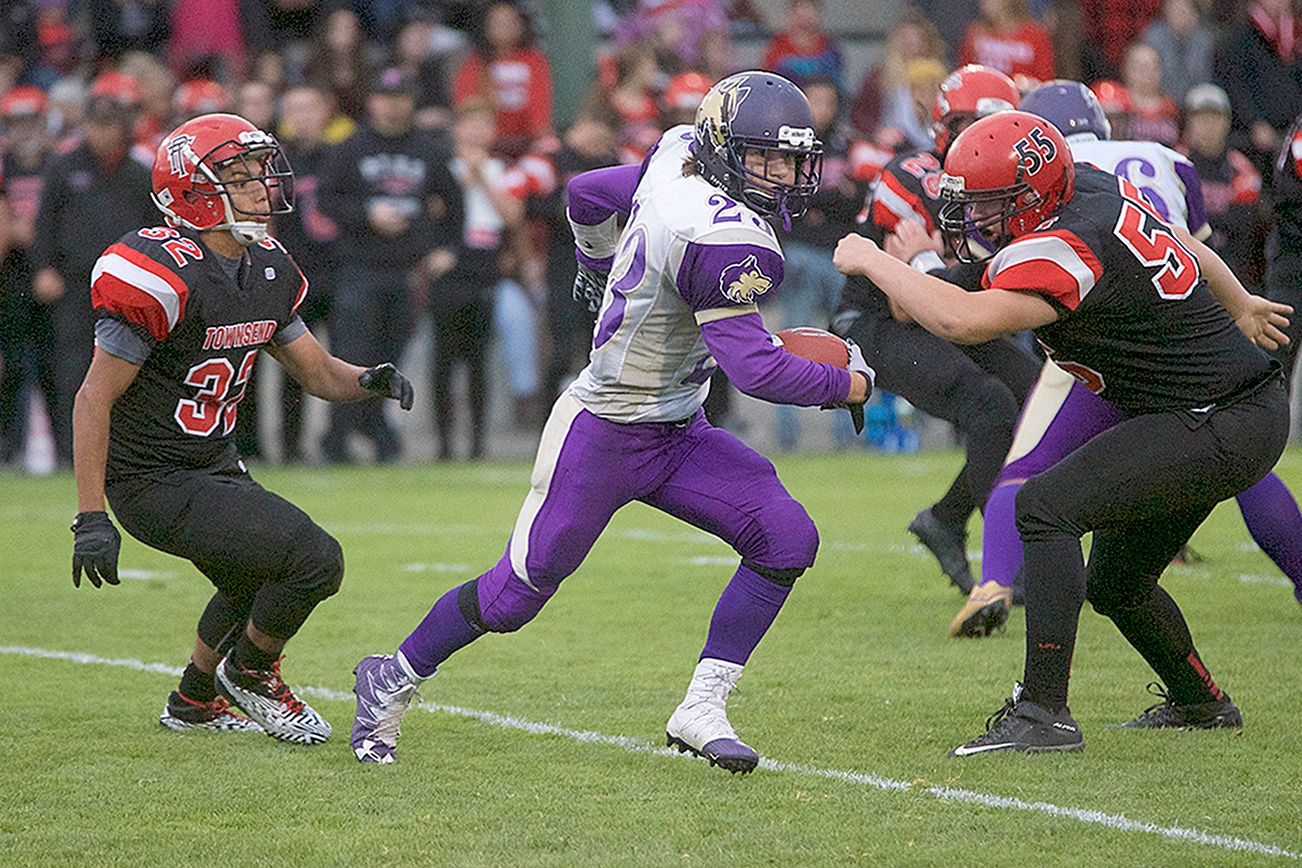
91 196
305 113
399 213
1260 67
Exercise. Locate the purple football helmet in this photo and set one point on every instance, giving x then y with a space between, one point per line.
758 111
1070 106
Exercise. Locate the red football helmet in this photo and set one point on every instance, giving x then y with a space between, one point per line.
188 176
968 93
1004 176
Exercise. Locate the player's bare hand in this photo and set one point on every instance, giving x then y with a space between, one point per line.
388 382
95 549
854 253
1264 321
911 238
48 286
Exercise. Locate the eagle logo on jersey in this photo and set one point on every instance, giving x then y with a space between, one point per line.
178 149
743 281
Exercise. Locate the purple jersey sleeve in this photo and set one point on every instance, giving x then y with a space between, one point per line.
744 349
725 275
596 195
1193 197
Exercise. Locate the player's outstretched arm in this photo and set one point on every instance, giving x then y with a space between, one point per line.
1261 319
332 379
95 550
942 308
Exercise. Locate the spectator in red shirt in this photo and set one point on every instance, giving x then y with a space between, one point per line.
1007 38
1114 24
513 76
630 102
804 49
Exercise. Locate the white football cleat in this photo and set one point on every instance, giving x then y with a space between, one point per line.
265 698
700 724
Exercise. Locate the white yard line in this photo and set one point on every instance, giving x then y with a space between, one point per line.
637 745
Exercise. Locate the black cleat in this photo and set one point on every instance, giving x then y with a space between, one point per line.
1025 727
948 544
1217 714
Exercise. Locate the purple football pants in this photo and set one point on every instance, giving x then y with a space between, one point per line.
587 468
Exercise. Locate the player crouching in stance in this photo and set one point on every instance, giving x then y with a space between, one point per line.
1115 296
685 274
183 310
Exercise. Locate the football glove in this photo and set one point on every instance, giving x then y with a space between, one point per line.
856 364
589 287
95 548
388 382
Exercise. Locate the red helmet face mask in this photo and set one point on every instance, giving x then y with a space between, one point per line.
967 94
205 172
1004 176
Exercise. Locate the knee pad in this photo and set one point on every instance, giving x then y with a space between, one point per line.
1035 510
782 577
783 537
325 574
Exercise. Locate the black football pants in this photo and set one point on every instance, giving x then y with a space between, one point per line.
1141 488
978 389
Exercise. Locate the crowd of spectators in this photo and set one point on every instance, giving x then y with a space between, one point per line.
431 169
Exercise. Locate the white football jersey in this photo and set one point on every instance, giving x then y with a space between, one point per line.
1166 177
689 254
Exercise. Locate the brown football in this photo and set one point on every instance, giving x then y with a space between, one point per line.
814 344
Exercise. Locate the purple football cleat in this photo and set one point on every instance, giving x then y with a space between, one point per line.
384 690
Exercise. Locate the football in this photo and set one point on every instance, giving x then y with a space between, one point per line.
814 344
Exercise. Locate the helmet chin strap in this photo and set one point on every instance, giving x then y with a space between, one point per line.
246 232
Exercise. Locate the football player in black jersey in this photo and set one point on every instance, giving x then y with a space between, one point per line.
979 388
182 313
1122 300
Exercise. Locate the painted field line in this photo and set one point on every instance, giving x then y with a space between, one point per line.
637 745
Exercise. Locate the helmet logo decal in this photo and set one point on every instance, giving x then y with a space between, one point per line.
1034 150
177 149
743 281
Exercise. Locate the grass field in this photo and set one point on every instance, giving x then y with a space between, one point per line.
544 747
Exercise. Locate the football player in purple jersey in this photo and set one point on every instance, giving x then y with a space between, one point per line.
183 311
679 286
1120 297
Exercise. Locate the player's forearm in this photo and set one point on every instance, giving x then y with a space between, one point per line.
1220 279
91 413
942 308
336 380
759 369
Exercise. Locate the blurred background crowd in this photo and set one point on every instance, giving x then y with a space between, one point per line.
432 142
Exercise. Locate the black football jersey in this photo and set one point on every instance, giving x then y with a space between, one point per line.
1137 323
908 188
204 329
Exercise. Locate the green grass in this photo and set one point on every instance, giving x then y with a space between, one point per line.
856 676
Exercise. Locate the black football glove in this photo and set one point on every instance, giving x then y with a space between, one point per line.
589 287
95 549
388 381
